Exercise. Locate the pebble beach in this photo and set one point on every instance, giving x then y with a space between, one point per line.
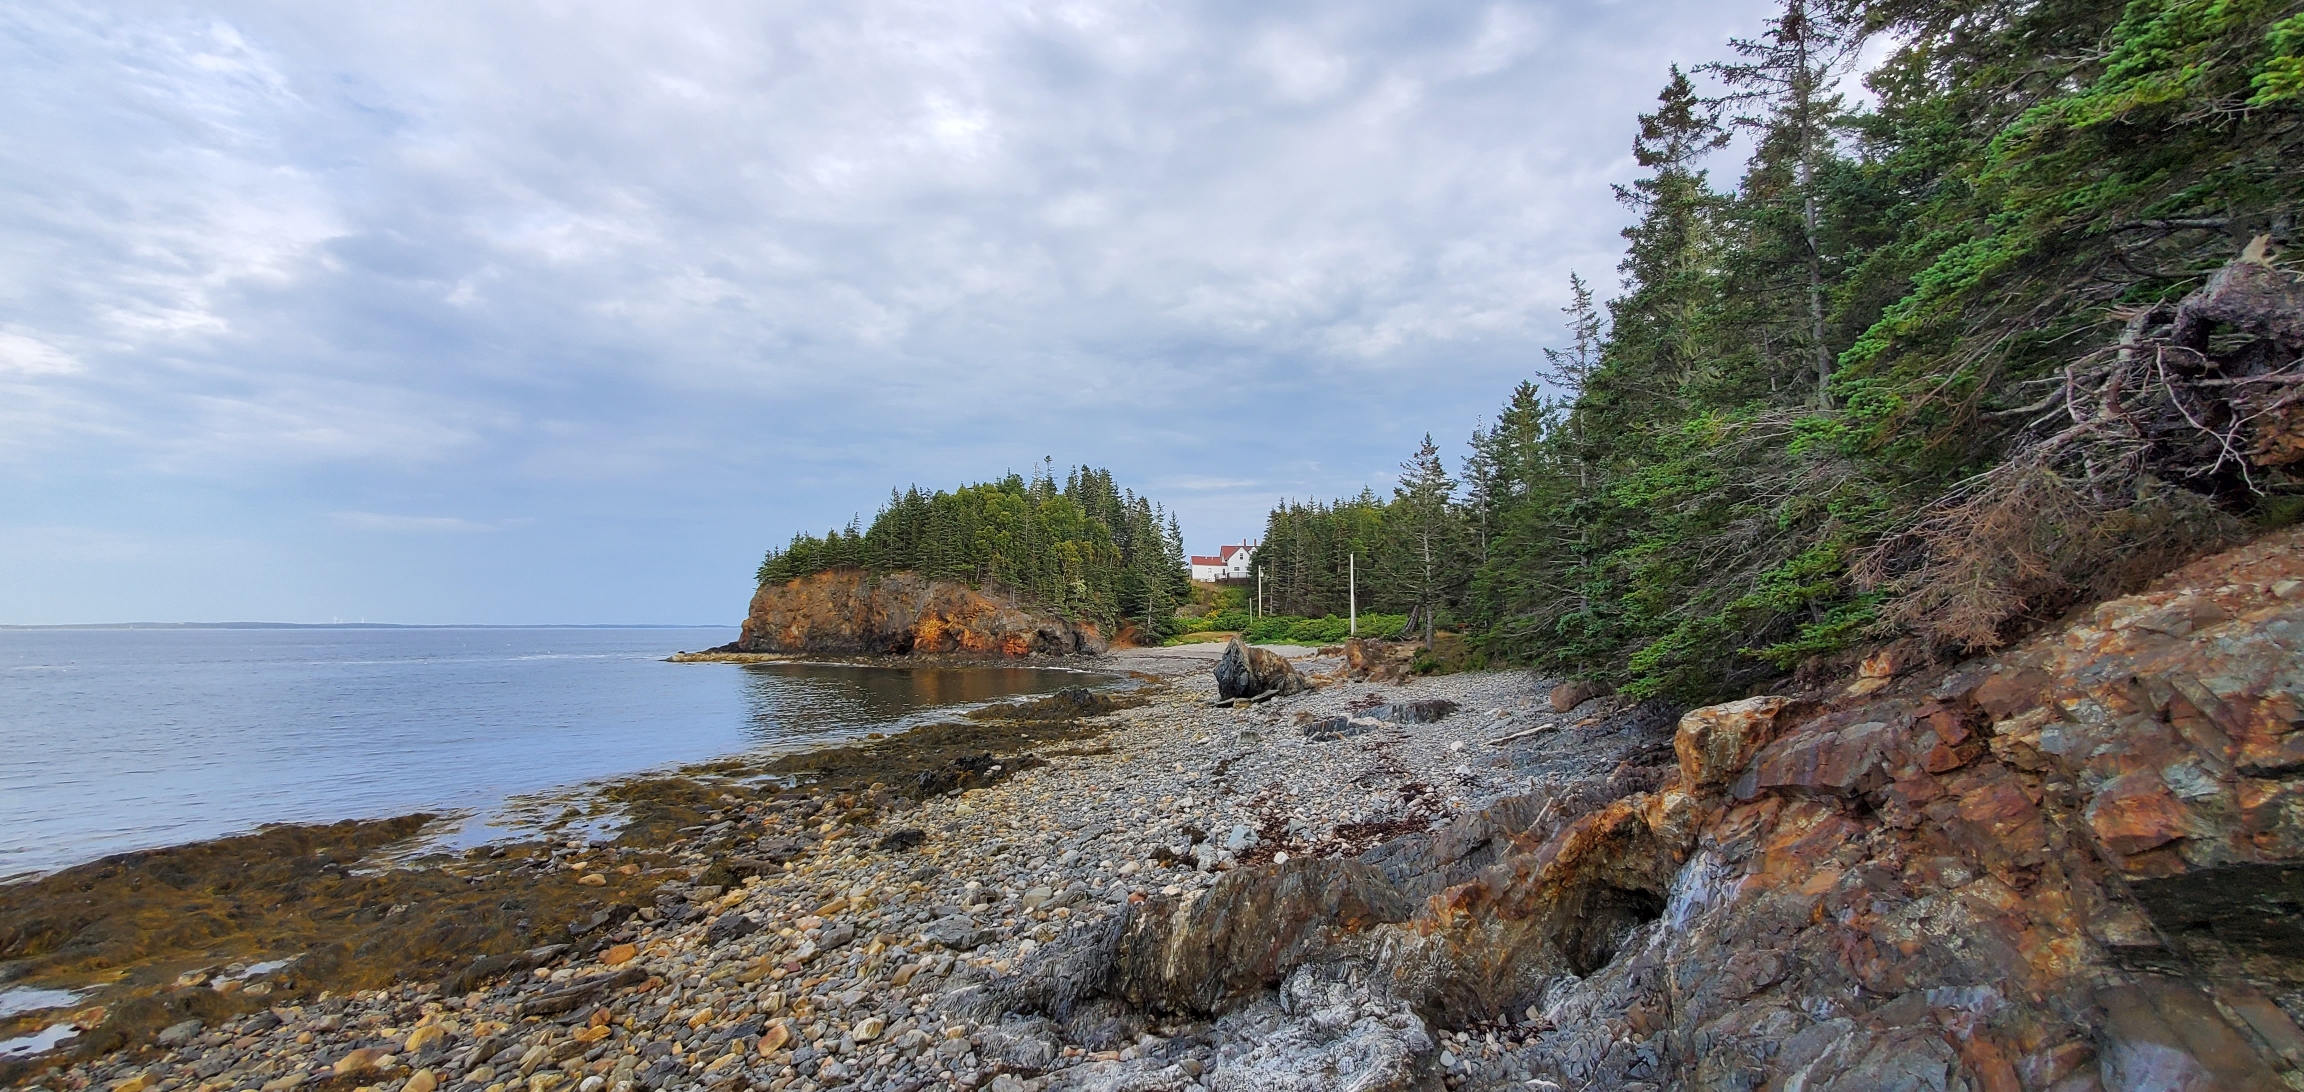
847 941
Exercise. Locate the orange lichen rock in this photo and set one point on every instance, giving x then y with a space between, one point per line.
848 612
2073 864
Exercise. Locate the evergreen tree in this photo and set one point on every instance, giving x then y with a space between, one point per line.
1886 384
1084 547
1420 556
1790 72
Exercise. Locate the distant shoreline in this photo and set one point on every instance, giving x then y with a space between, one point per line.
359 625
888 659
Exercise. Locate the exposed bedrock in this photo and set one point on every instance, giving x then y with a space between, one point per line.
847 612
2075 865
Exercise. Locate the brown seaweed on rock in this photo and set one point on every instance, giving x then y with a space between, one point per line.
1070 703
132 923
351 916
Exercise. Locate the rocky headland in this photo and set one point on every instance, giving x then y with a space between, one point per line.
851 612
2074 865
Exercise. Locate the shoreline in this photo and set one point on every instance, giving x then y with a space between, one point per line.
1099 787
1161 653
520 804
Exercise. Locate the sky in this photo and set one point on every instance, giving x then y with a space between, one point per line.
564 313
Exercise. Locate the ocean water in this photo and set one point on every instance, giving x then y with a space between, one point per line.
120 739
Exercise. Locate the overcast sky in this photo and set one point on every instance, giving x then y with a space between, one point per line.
493 312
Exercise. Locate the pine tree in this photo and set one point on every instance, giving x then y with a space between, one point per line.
1083 547
1421 556
1570 370
1789 72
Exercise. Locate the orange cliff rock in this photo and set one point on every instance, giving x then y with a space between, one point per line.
2073 866
848 612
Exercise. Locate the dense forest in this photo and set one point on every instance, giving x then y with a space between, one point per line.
2010 324
1085 547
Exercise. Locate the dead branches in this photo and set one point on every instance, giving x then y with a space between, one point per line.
2127 466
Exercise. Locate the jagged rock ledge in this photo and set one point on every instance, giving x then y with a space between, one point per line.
850 612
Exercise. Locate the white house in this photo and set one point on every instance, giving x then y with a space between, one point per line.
1230 563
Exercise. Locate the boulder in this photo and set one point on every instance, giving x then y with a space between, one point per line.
1070 703
958 932
730 926
1029 1043
897 841
1206 951
1340 726
1716 742
1378 661
1328 1032
1424 711
176 1035
1575 692
1247 672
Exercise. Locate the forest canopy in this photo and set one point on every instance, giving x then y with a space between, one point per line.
2019 329
1082 547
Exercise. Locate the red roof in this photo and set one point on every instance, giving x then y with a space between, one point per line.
1228 551
1199 560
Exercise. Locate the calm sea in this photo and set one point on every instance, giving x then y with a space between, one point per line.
125 739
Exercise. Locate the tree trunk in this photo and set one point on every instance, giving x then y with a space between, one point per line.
1804 108
1427 594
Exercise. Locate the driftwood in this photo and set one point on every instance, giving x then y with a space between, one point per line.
1540 729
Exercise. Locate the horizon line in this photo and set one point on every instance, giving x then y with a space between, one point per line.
368 625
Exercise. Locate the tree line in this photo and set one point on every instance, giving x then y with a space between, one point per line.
1083 547
1926 369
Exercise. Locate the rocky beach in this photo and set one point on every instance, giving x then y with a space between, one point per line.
2072 865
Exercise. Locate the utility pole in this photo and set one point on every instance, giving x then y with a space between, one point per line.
1352 594
1259 591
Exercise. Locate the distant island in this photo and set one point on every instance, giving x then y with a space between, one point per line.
1015 567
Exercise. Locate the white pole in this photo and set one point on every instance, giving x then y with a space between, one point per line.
1352 593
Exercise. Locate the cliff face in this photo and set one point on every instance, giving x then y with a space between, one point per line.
848 613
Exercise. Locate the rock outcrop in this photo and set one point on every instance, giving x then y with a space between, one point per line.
2077 865
1383 661
1246 671
848 612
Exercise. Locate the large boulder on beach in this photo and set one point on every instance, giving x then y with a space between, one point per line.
1246 672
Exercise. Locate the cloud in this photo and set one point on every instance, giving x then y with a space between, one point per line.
743 266
25 355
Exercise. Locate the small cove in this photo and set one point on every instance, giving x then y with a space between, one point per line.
115 740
